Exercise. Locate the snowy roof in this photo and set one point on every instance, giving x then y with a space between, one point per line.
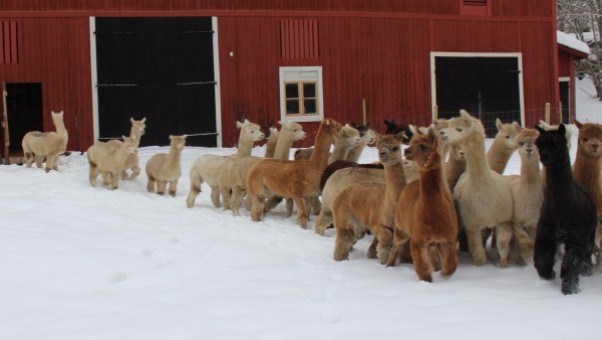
570 41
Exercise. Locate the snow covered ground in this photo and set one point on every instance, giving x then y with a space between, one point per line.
79 262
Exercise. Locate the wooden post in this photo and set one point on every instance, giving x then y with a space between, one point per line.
560 112
364 113
435 112
5 138
547 114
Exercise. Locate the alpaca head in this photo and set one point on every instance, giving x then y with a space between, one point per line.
552 146
331 127
589 143
367 136
458 128
273 132
294 129
177 142
424 149
542 124
138 127
438 126
389 148
57 116
457 154
507 133
350 135
393 129
525 140
251 130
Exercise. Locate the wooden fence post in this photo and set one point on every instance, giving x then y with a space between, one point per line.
547 114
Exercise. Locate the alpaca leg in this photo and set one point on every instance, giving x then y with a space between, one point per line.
289 207
226 196
422 265
150 185
598 247
28 158
39 161
173 187
543 256
272 202
215 196
55 162
257 208
503 238
344 240
385 242
323 221
248 202
135 172
49 163
569 271
114 180
302 215
372 250
315 204
475 245
400 238
93 174
237 194
106 179
450 258
525 243
192 194
161 187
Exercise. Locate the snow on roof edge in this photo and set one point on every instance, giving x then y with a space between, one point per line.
571 42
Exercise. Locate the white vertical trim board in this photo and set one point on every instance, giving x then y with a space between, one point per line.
216 73
93 67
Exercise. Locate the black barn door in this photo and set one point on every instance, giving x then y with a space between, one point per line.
161 69
565 99
487 87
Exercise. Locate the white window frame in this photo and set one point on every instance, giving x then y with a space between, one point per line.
301 73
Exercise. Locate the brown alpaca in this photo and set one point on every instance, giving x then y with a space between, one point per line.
371 206
295 179
588 166
503 145
163 169
37 145
425 213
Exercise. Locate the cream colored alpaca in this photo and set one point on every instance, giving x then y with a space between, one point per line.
163 169
503 145
234 174
455 166
349 140
367 136
37 145
208 168
587 169
112 163
483 197
296 179
527 193
133 163
371 206
270 146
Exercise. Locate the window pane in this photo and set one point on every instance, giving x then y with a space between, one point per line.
310 106
292 107
292 91
309 90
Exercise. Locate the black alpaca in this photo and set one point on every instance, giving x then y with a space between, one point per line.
568 216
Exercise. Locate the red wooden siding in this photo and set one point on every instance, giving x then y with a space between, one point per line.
56 53
9 44
299 39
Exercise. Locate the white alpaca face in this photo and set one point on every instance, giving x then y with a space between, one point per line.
457 128
178 142
457 153
351 134
296 129
368 137
507 133
526 143
254 131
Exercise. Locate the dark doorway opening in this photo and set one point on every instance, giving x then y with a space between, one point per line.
24 113
161 69
565 99
487 87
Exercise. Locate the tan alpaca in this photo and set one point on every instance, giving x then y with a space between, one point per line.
133 163
270 146
37 145
350 139
112 164
208 168
503 145
425 213
371 206
455 166
587 169
483 197
234 175
295 179
527 193
367 136
163 169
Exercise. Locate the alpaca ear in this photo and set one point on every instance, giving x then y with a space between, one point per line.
539 129
143 119
239 125
132 120
170 137
517 126
413 129
184 136
432 135
498 124
579 124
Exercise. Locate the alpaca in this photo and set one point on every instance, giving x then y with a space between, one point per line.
270 146
370 205
295 179
542 124
133 162
234 173
208 168
483 196
350 139
163 169
37 145
112 163
503 145
366 137
588 166
455 166
425 213
527 193
568 216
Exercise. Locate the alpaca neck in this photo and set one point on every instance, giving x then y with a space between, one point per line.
499 155
136 136
395 180
356 152
431 182
245 145
173 157
587 171
283 147
476 162
529 170
59 125
270 147
340 152
322 144
559 177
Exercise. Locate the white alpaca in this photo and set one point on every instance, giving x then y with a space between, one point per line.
133 162
113 163
37 145
483 197
503 145
270 146
208 168
163 169
367 136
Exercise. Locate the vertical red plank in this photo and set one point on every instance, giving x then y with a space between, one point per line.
14 43
305 39
295 39
5 42
282 40
315 48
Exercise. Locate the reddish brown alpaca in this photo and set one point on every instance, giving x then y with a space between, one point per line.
425 213
296 179
587 169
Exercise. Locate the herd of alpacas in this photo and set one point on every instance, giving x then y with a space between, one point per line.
446 194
